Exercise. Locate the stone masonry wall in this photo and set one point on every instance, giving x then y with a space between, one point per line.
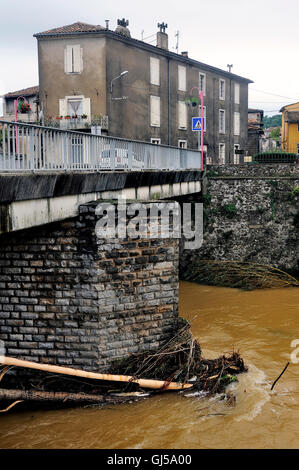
250 214
68 298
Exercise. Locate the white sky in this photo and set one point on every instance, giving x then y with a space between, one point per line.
259 37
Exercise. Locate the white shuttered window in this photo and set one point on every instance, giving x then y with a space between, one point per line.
182 115
155 111
221 154
182 86
237 93
237 124
73 59
222 89
75 105
155 71
202 82
222 121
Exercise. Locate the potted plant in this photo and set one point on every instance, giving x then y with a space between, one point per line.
23 107
84 116
67 116
59 118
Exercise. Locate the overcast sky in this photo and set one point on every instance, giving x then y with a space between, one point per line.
259 37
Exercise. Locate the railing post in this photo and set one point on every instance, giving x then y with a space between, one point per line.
130 155
112 154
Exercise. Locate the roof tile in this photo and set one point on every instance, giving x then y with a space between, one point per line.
77 27
34 90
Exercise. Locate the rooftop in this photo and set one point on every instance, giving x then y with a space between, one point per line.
34 90
77 27
80 28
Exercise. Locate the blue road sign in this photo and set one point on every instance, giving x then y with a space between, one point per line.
196 123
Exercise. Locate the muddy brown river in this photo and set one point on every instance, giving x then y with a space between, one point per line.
260 324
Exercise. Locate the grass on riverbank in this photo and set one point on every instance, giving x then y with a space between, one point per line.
243 275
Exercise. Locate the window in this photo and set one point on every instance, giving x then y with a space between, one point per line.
202 82
222 121
155 140
237 93
182 78
73 59
297 149
298 127
221 154
182 115
155 111
74 106
204 116
222 89
154 71
236 123
236 155
182 144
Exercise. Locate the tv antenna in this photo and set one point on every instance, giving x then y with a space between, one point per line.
177 35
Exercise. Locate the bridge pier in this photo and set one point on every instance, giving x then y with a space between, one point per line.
69 298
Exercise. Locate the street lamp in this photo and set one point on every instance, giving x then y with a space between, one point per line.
119 76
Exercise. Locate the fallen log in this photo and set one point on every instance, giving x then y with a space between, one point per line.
41 396
145 383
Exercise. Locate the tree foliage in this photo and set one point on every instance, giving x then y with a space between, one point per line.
272 121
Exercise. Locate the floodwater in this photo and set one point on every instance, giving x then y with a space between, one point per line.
260 324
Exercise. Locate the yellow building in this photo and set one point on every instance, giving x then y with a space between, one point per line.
290 128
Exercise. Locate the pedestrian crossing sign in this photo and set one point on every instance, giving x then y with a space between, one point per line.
196 123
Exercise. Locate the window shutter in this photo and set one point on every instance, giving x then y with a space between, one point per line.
86 107
77 59
155 111
237 93
63 107
237 124
155 71
182 110
68 59
182 78
202 82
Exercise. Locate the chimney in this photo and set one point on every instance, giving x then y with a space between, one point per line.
162 37
185 53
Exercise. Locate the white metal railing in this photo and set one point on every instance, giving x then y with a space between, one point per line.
28 147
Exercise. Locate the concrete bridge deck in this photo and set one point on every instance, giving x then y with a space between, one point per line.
28 200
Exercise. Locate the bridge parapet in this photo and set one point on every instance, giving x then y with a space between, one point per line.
28 147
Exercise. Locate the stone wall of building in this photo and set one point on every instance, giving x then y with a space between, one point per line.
69 298
250 214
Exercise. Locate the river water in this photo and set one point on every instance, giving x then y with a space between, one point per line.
259 324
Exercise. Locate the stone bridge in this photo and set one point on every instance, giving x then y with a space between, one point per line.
70 298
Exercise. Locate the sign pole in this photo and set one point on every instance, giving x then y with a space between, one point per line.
201 130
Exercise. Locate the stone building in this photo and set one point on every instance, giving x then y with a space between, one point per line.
91 75
29 95
255 130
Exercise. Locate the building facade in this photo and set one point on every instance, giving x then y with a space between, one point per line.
90 75
255 131
290 128
26 95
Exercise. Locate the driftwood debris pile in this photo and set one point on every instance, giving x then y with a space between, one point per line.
180 359
243 275
178 365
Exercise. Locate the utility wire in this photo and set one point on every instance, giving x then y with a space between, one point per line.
273 94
